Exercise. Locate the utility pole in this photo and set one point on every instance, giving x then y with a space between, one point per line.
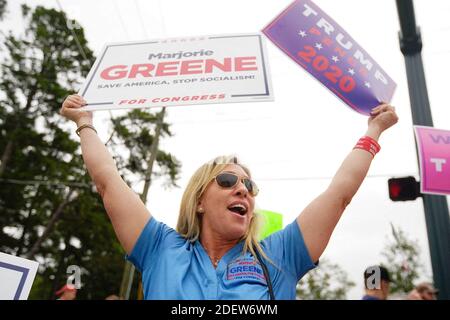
128 272
436 209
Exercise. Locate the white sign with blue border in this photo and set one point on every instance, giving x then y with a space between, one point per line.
16 277
179 71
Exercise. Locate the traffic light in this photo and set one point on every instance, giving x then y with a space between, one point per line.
403 189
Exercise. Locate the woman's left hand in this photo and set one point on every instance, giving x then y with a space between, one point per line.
382 117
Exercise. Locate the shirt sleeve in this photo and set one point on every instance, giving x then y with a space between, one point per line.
289 251
150 242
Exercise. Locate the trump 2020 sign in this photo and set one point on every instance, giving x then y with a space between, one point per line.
179 71
317 43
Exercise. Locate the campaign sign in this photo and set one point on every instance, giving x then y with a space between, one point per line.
317 43
16 277
434 157
181 71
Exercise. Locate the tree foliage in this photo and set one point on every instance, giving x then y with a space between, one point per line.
2 9
38 72
402 256
49 210
327 282
136 131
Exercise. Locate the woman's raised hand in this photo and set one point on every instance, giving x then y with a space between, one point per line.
383 117
70 110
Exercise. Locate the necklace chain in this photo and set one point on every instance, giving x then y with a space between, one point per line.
214 260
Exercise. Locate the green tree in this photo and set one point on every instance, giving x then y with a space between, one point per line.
41 67
39 70
136 131
402 256
49 210
327 282
2 8
84 238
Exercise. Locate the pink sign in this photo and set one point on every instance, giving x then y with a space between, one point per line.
434 157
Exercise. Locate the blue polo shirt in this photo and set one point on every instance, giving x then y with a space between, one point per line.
174 268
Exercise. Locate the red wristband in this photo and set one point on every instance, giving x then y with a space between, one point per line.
372 141
373 153
368 144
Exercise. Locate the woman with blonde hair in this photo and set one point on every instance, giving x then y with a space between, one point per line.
215 252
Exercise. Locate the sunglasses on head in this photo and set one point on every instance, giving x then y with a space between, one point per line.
229 180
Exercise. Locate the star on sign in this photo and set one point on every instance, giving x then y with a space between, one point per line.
335 58
367 84
302 33
351 71
318 46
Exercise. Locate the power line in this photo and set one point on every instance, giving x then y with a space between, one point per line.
140 18
320 178
440 52
330 177
206 121
69 26
48 183
121 20
163 23
83 53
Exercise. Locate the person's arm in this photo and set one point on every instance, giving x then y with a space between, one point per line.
127 212
319 218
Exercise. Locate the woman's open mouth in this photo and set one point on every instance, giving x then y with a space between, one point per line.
238 208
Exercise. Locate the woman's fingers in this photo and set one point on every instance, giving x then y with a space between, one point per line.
381 108
80 99
74 101
76 96
384 116
70 108
375 110
69 103
387 108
